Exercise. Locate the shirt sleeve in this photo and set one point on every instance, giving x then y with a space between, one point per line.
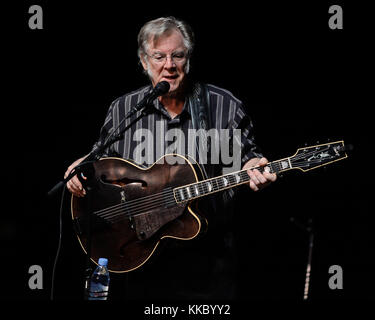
240 120
249 148
105 131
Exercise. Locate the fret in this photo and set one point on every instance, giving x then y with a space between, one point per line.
200 186
231 179
192 191
215 182
290 164
273 167
244 176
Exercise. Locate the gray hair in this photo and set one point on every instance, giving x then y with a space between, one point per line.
162 26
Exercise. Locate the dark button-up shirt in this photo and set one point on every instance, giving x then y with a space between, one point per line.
157 134
232 144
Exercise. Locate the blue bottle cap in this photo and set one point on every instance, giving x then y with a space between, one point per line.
103 262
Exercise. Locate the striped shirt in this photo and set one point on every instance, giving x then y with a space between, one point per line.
156 134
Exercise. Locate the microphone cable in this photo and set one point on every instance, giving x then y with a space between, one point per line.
59 243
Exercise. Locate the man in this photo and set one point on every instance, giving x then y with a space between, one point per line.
165 46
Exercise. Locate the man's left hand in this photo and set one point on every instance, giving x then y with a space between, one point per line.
259 180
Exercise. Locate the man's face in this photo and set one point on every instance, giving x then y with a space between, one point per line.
166 60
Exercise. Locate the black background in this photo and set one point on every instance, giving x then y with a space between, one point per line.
301 82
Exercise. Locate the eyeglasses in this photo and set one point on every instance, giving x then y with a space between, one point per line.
161 58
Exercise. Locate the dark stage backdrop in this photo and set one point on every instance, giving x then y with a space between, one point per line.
301 82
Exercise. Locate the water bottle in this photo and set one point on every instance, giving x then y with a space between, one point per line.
99 282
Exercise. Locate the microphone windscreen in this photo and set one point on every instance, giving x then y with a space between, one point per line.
162 87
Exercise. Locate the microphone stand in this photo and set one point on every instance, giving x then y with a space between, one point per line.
310 230
160 89
86 169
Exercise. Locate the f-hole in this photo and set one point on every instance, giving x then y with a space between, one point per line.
123 182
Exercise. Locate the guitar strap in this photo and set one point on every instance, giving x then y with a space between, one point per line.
199 105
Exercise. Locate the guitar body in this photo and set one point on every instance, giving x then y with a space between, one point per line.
131 209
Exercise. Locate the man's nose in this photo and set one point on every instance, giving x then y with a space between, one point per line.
169 63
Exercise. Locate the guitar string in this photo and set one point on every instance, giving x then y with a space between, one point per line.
119 214
199 185
142 205
106 212
150 197
303 155
145 198
145 205
122 215
133 211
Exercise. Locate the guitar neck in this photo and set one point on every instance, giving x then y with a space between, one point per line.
231 180
305 159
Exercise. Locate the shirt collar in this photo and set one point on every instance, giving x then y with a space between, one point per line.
185 113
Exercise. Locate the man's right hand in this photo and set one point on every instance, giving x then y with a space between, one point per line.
74 185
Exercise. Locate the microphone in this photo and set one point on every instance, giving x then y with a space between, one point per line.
160 89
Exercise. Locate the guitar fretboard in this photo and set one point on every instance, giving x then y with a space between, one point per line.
209 186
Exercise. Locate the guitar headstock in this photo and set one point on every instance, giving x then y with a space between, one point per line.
309 158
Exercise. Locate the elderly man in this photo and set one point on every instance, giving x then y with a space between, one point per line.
165 46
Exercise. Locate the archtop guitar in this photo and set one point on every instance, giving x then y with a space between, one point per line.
131 209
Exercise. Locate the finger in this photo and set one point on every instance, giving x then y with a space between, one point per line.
68 171
69 187
261 178
76 187
263 161
270 176
76 183
253 176
253 186
73 189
